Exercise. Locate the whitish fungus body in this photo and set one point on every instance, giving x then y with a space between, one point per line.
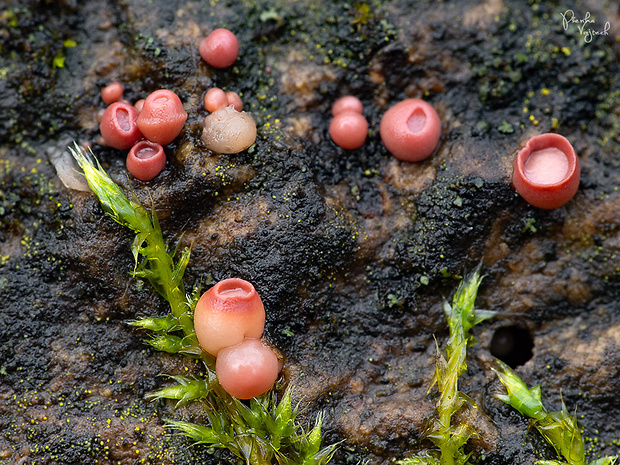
229 131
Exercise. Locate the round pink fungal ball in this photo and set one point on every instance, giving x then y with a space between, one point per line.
162 117
234 100
118 126
215 98
349 130
546 172
228 313
247 369
410 130
347 103
145 160
220 48
112 93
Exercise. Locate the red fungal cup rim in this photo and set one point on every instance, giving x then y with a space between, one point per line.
551 195
235 287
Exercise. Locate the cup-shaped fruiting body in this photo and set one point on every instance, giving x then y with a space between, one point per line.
347 103
247 369
349 129
145 160
234 100
220 48
228 313
546 171
215 99
410 130
162 117
112 93
229 131
118 126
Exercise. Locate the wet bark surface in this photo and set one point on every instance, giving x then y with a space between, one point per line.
352 252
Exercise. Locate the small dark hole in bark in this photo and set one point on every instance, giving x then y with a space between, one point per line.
512 345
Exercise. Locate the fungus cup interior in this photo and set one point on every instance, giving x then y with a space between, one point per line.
417 120
547 160
546 167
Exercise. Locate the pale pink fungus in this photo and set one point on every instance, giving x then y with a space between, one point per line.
229 131
347 103
349 130
220 48
228 313
247 369
234 100
145 160
410 130
546 171
112 93
118 126
139 105
162 117
215 98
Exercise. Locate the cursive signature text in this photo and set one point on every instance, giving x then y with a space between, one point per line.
584 25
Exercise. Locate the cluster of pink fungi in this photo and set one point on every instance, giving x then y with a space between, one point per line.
230 318
546 171
151 123
229 321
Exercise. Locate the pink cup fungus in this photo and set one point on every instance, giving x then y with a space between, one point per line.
162 117
349 129
347 103
546 171
229 131
215 99
112 93
145 160
220 48
118 126
247 369
234 100
410 130
228 313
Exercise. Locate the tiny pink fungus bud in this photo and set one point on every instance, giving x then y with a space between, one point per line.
220 48
145 160
229 131
139 105
112 93
228 313
247 369
118 126
215 98
234 100
546 171
162 117
349 129
347 103
410 130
